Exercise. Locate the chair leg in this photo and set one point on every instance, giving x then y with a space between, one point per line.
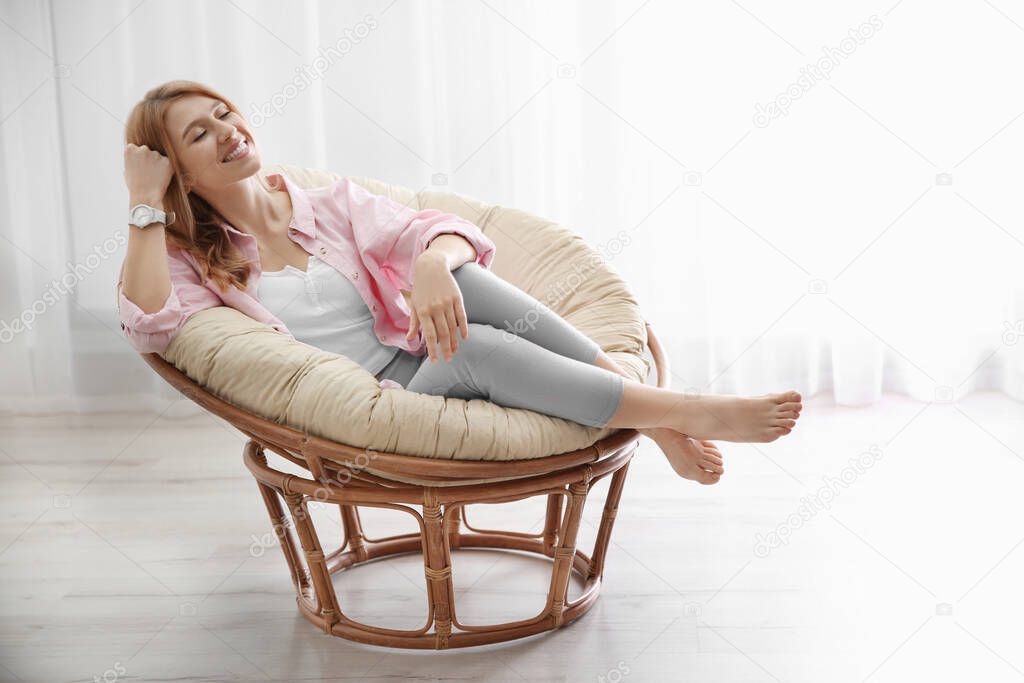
354 537
325 603
436 567
453 520
604 531
565 552
282 529
552 520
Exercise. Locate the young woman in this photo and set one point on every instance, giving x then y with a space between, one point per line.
362 275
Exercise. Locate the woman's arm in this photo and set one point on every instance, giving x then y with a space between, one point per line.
158 289
147 280
448 251
453 250
391 237
153 331
400 245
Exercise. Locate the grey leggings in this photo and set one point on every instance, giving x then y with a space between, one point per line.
520 354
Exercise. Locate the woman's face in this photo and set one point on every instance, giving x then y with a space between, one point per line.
213 144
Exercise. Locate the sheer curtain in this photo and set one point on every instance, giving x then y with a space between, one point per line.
800 197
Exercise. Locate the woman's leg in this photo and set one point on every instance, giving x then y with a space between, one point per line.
657 413
513 371
493 302
490 300
510 317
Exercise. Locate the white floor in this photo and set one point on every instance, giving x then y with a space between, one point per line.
134 548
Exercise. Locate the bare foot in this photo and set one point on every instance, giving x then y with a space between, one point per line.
757 419
699 461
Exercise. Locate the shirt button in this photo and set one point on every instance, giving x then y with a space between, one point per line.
323 250
355 276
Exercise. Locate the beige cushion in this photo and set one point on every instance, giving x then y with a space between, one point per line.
328 395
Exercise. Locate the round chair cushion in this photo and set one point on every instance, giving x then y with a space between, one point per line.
323 394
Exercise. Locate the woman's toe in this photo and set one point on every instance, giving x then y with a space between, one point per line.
708 477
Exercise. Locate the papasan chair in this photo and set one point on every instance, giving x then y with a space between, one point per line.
361 445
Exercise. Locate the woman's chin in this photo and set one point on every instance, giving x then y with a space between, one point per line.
244 168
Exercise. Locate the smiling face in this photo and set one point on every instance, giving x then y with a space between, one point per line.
213 144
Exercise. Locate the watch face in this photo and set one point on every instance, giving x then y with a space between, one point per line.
142 216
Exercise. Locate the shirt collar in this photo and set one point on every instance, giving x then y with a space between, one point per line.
302 208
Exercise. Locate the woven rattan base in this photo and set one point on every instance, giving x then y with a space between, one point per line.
443 527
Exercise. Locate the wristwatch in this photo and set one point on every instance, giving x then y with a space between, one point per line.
142 215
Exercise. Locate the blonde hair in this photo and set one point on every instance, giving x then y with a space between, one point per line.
196 228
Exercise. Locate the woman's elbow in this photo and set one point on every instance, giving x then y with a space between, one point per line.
147 342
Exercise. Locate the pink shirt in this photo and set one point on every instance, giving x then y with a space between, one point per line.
371 239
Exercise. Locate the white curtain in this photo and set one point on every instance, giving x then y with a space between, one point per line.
803 197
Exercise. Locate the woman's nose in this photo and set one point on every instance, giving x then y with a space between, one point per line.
227 132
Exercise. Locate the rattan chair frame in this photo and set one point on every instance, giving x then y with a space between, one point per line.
339 476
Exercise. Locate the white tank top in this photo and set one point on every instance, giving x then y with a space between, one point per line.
322 308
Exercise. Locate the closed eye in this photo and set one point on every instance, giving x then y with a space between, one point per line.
221 116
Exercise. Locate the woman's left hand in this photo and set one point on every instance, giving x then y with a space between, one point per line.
437 307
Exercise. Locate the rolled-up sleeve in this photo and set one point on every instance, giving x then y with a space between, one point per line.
153 332
391 236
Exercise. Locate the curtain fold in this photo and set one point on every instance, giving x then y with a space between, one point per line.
863 240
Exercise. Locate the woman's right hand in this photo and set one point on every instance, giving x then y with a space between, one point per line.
147 173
